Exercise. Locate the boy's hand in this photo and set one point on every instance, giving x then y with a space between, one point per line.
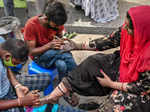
30 99
55 44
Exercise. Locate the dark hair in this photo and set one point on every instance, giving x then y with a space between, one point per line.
56 13
130 21
18 48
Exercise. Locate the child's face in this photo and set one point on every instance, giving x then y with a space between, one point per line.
10 61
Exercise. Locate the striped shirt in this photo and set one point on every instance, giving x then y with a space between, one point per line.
4 82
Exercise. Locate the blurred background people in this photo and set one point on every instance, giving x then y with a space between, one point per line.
9 7
99 10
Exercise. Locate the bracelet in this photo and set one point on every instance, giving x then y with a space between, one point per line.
17 86
19 102
61 90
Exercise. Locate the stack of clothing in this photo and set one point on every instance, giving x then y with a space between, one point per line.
99 10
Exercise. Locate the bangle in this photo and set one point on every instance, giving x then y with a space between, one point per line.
19 102
122 88
17 86
61 90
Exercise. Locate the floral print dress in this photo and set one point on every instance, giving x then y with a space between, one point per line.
138 93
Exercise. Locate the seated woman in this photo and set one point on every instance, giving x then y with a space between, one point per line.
128 73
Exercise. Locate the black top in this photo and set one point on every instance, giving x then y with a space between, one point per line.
83 80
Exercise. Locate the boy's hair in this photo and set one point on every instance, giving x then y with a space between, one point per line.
56 13
18 49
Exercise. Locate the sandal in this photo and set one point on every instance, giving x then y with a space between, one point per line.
70 35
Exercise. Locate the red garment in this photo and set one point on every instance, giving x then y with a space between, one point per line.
135 50
33 30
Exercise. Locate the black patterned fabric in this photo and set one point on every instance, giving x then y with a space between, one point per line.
83 80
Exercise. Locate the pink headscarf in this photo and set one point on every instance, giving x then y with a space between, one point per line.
135 50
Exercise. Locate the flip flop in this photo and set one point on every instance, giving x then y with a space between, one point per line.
70 35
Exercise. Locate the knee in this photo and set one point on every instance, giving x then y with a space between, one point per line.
61 65
67 55
50 52
69 58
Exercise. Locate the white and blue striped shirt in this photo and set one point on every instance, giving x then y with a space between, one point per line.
4 82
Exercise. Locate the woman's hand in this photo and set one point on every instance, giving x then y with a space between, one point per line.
106 81
69 45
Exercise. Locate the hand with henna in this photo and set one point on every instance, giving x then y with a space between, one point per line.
30 99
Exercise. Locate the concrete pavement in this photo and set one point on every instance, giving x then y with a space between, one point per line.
81 24
77 22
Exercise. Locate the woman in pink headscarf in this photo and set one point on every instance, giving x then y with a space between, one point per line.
134 71
127 73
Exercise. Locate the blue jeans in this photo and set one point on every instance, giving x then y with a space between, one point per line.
8 7
64 62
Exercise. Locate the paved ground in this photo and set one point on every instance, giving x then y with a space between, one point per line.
78 21
82 54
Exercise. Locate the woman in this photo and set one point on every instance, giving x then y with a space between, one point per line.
99 10
129 72
134 64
